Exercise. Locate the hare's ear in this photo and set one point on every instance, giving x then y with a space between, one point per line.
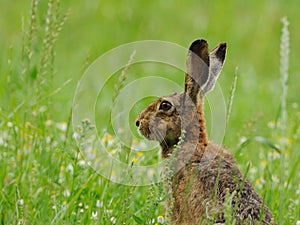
217 58
197 69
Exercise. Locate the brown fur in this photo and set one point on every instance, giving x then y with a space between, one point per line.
204 171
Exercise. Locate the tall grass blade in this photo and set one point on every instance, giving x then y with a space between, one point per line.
231 96
120 84
284 67
266 142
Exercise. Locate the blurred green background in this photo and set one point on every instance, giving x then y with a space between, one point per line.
252 30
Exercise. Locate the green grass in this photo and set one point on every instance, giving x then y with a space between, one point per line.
43 177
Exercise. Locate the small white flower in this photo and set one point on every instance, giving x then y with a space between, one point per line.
54 144
271 124
21 221
10 124
62 126
61 180
242 140
284 141
108 211
1 141
110 143
99 204
81 163
21 202
94 215
160 219
150 173
275 179
70 168
298 222
81 210
113 220
48 139
120 130
64 204
16 128
80 204
43 109
67 193
142 145
76 135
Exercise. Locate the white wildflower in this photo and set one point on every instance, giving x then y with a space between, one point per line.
1 141
43 109
70 168
99 204
160 219
242 140
67 193
21 202
10 124
81 163
76 135
271 124
48 139
94 215
113 220
62 126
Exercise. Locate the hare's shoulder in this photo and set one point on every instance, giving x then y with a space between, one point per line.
219 168
217 159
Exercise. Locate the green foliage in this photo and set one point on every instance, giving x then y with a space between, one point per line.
43 177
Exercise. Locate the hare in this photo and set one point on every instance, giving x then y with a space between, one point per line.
206 173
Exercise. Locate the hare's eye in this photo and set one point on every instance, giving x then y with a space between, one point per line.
165 106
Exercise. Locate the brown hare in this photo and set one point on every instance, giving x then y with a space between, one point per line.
206 173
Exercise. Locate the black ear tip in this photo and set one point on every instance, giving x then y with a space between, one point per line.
221 51
223 46
198 43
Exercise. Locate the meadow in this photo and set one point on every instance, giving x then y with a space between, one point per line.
47 45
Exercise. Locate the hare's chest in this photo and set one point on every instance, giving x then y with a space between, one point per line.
188 198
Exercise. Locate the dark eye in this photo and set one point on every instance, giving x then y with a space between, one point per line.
165 106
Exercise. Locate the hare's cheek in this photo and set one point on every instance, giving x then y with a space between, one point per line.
157 130
174 125
162 126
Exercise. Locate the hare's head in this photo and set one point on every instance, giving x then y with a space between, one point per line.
164 119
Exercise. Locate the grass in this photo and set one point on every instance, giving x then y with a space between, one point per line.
45 179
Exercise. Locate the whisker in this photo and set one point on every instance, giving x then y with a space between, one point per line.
157 132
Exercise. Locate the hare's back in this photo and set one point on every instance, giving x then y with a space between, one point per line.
219 176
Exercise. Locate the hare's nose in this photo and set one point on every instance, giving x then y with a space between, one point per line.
137 123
